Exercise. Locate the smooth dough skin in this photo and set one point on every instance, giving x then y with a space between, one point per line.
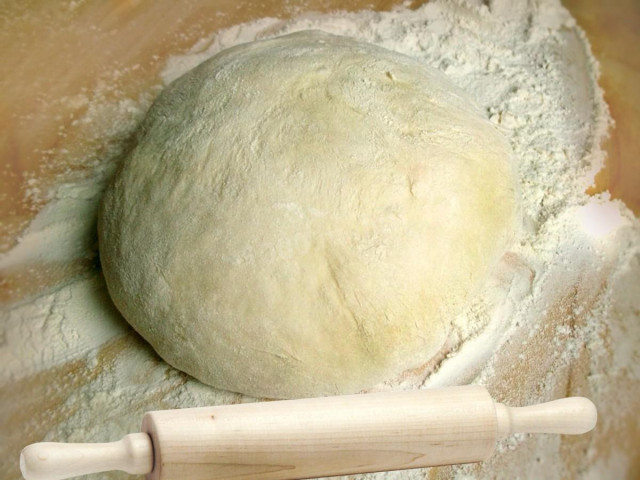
305 215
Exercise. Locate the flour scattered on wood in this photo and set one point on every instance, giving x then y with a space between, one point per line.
559 316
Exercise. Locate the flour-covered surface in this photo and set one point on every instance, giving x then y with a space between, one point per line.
560 315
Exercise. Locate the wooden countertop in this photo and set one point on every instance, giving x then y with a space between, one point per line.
614 33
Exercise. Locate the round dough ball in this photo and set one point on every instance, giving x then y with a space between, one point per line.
305 215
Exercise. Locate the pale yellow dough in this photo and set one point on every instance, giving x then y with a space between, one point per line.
305 215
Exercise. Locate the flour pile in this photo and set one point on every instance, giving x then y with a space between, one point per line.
559 317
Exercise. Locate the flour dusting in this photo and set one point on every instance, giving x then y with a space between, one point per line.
559 315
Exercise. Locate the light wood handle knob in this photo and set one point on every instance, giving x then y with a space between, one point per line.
56 461
568 416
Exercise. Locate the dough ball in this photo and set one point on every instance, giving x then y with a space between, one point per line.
305 215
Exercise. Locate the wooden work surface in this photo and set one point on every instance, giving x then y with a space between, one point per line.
59 50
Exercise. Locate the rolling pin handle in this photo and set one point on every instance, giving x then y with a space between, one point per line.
568 416
56 461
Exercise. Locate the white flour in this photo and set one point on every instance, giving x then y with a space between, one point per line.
568 286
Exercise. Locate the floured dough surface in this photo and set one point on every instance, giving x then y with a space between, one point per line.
304 216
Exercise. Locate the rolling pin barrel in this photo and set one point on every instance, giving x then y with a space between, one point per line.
324 436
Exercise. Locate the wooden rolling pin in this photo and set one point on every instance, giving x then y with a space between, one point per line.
315 437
